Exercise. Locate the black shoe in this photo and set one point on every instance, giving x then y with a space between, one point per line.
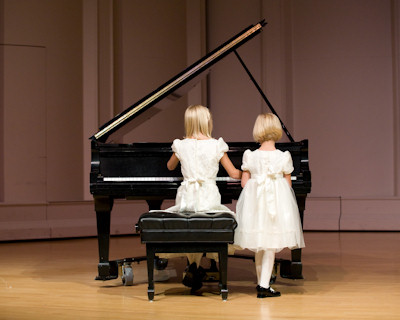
198 277
265 293
213 266
190 275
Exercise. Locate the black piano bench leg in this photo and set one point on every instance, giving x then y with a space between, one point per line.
150 294
224 294
150 272
223 271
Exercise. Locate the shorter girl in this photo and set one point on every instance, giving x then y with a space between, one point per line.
267 213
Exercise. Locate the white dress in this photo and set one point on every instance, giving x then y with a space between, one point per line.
266 211
199 165
198 192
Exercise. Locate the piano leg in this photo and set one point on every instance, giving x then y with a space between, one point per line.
107 270
154 204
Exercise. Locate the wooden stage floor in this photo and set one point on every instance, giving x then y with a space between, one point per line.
348 275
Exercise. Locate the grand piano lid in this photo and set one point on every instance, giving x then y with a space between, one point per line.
178 85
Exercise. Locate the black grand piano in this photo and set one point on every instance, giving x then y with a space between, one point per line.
138 170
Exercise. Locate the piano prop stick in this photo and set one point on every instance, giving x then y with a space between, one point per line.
138 171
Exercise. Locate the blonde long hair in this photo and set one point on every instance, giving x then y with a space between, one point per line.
267 127
198 120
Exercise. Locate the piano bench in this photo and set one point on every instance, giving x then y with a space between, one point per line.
166 232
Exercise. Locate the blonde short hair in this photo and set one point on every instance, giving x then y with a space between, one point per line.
198 120
267 127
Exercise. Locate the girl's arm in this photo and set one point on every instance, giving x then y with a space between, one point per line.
288 178
230 168
172 162
245 177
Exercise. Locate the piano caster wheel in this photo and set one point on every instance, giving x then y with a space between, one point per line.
127 274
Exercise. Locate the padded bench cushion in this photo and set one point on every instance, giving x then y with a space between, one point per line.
163 226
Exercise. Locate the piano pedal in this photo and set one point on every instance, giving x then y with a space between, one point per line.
211 276
160 263
274 273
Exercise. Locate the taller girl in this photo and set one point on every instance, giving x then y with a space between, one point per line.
267 213
199 155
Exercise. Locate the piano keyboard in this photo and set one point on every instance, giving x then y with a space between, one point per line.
166 179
